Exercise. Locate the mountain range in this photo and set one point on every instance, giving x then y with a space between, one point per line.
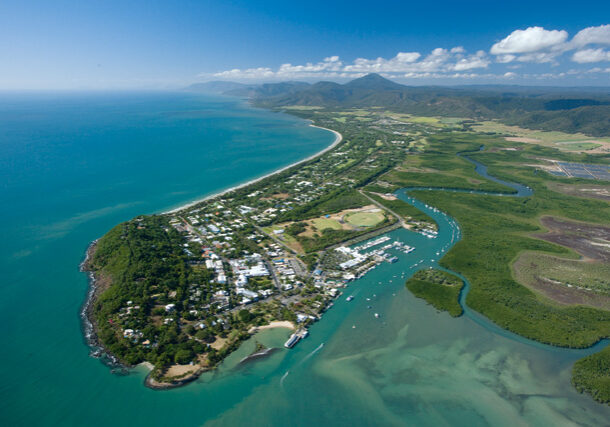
571 110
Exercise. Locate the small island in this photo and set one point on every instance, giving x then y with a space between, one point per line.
438 288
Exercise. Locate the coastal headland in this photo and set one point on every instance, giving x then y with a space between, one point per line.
189 285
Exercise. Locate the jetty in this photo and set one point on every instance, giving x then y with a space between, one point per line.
296 337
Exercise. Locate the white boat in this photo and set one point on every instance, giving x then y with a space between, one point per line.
377 315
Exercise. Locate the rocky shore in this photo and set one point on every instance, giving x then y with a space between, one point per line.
97 285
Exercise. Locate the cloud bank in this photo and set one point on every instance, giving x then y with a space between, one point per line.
535 45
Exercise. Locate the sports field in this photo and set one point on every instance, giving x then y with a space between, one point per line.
365 219
322 223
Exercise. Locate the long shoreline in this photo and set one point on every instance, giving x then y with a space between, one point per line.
337 141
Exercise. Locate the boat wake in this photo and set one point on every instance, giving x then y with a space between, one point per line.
312 353
283 378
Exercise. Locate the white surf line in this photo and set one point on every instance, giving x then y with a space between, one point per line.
337 141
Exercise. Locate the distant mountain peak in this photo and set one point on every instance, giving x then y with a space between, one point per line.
374 81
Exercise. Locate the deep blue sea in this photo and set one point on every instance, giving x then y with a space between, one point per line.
74 165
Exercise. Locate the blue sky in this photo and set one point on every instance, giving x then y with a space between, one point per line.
137 44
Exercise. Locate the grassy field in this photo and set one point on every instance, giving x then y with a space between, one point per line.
365 219
579 146
442 170
439 288
550 139
285 237
302 107
573 273
324 223
403 209
356 112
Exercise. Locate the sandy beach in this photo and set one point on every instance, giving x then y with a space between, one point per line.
274 324
338 139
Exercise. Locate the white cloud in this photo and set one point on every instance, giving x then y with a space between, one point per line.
401 62
517 50
591 55
438 60
250 73
529 40
332 63
428 75
538 45
538 57
592 35
478 60
505 59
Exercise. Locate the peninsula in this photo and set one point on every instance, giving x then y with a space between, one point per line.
181 290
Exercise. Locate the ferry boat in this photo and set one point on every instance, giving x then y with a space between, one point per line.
294 338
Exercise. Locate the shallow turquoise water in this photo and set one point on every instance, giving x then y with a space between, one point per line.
73 166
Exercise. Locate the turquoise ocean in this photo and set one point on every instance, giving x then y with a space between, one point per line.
73 165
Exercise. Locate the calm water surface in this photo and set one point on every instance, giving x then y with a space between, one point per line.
72 166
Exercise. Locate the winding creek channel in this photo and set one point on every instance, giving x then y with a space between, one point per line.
448 227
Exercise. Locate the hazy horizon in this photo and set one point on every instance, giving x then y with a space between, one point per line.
70 45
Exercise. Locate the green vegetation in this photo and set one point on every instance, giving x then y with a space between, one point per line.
365 219
145 263
403 209
592 375
158 287
333 202
570 112
572 273
591 120
550 137
580 146
329 237
325 223
438 288
437 168
495 231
